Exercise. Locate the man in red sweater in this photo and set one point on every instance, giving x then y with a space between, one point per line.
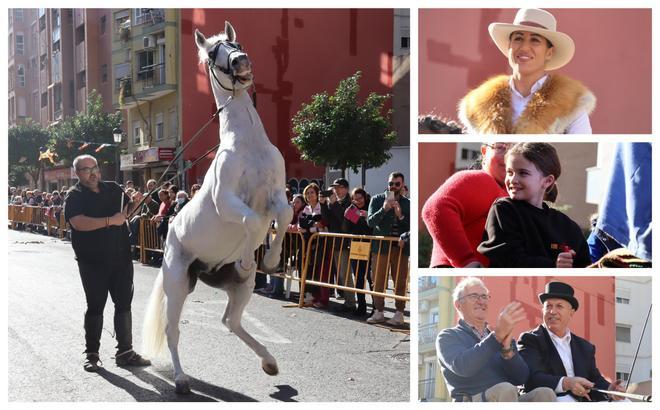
455 215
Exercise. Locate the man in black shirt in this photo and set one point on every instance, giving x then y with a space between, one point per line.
99 236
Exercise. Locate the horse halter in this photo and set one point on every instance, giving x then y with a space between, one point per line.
233 48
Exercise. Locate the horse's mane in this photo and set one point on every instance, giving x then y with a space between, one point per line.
202 53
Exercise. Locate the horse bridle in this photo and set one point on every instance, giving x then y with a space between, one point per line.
233 48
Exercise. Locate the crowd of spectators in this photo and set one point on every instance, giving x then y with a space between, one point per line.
342 210
336 210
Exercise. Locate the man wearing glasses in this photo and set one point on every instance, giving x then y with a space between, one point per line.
389 215
479 364
99 236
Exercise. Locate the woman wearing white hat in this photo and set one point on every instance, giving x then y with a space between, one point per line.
530 101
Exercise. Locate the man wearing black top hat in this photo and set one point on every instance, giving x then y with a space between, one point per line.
559 359
96 211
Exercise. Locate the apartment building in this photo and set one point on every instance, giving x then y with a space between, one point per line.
145 50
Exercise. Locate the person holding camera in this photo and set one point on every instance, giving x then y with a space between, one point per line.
334 203
389 215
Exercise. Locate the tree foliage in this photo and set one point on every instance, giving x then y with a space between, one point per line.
338 131
25 143
93 126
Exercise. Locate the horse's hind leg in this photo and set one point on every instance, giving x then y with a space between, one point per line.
176 284
239 295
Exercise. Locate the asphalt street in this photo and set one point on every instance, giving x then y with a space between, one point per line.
322 356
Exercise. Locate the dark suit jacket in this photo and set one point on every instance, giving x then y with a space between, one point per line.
546 367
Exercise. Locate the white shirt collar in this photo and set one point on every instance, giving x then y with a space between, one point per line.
566 339
537 86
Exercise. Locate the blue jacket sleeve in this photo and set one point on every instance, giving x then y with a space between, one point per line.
465 362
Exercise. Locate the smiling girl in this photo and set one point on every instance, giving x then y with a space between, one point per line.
522 230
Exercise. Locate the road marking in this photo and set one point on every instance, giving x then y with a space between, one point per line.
264 332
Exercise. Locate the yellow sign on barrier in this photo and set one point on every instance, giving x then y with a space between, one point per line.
360 250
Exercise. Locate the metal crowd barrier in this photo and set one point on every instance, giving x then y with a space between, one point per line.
38 217
292 258
148 239
381 254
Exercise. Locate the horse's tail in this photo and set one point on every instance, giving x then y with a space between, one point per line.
155 321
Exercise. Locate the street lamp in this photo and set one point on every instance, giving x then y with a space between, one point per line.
116 135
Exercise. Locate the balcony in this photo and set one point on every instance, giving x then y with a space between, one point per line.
150 17
427 389
152 75
426 335
56 68
81 58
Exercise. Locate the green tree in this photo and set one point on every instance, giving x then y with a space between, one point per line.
93 126
25 143
337 131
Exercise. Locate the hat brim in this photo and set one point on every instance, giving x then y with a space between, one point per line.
570 299
564 47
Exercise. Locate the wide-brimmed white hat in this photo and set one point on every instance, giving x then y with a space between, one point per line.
540 22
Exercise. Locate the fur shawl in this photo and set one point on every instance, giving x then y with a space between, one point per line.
551 110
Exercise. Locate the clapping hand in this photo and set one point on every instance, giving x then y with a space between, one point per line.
509 317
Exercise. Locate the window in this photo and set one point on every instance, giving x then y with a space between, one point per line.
20 75
174 123
405 42
622 376
104 73
137 133
623 333
42 62
145 65
21 110
623 301
44 100
35 104
103 23
160 129
81 79
34 38
11 44
18 15
20 44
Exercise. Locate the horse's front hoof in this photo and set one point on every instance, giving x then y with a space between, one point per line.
270 368
182 387
270 262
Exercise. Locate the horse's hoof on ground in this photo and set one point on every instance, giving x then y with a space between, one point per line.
270 368
182 387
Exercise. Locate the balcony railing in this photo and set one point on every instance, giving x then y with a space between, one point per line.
152 75
427 389
153 16
427 333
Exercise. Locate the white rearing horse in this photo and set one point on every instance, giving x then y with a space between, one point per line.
215 235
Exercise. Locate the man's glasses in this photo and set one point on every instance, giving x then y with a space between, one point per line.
89 170
472 297
397 183
499 147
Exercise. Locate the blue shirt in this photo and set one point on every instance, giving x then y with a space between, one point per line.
471 366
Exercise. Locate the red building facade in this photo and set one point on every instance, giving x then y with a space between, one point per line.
295 54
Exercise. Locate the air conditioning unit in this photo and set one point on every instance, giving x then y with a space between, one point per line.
149 42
